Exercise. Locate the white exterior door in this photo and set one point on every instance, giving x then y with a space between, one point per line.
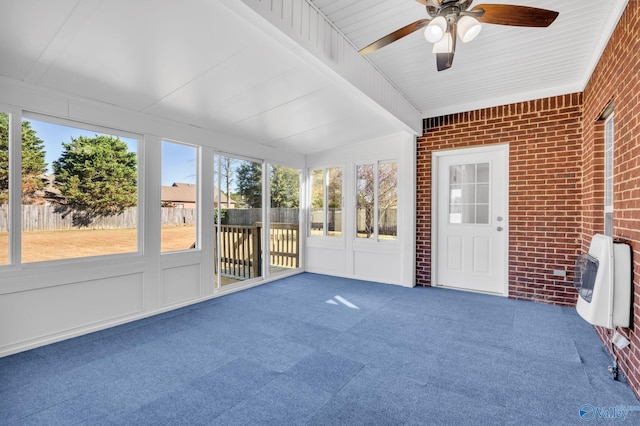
470 190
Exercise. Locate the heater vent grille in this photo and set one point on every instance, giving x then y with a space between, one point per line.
585 275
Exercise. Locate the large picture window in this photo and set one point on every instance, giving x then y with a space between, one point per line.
377 201
326 202
79 191
179 197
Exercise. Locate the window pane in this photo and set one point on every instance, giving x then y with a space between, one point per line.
334 201
316 211
483 173
469 193
79 193
179 195
482 213
483 193
4 188
387 201
238 251
365 196
284 241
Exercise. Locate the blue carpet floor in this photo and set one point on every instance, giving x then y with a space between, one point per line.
320 350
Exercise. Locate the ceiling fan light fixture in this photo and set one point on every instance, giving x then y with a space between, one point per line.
435 30
468 28
445 45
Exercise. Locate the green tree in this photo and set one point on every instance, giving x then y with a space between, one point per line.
97 174
249 175
33 164
285 187
317 189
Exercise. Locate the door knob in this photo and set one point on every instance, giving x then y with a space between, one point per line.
499 228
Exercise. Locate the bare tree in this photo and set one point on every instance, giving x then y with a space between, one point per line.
227 167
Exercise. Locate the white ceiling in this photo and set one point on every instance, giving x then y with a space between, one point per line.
503 64
206 64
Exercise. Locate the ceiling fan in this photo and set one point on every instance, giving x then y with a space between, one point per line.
451 17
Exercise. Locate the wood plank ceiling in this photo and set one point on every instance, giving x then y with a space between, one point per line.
503 64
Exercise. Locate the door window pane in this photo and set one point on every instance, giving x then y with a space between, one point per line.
238 219
469 193
4 188
284 237
79 192
179 196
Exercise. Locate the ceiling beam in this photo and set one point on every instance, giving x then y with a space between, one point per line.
303 29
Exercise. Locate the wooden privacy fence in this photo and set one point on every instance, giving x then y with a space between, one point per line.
387 221
250 216
239 247
50 218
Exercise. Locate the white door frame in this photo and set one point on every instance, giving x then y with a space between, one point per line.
435 156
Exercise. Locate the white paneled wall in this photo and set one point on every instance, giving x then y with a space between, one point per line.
46 302
383 261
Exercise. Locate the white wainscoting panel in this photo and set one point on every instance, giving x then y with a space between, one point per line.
380 267
53 312
180 284
328 261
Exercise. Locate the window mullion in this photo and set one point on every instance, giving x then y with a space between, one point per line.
15 187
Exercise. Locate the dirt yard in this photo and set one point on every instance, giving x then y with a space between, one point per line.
55 245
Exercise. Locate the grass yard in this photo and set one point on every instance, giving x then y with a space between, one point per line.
54 245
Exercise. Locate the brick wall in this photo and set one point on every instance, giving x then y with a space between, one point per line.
556 179
617 78
545 146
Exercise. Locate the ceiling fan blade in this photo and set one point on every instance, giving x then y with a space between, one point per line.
396 35
519 16
434 3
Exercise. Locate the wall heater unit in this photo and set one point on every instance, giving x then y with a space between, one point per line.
603 280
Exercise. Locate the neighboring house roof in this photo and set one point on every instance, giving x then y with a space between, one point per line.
179 193
186 193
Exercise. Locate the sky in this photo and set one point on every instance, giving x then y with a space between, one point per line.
178 161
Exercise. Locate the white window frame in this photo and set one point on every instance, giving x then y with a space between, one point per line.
325 201
608 173
140 144
376 206
198 168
